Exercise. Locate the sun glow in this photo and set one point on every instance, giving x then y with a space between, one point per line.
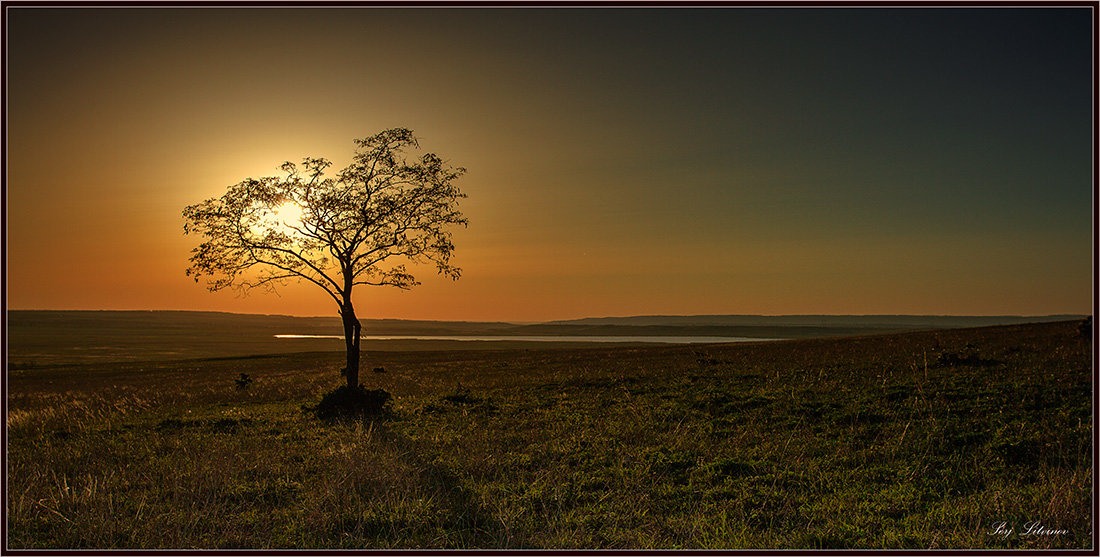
288 214
285 218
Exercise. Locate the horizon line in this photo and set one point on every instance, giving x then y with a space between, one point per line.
657 315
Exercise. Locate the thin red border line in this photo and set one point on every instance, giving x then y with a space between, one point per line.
991 4
4 270
566 3
1095 261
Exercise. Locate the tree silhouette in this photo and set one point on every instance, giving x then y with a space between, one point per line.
387 207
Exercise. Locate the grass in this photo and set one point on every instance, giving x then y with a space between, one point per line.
914 440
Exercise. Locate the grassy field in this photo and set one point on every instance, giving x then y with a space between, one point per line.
913 440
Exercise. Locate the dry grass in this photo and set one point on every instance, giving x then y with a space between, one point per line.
918 440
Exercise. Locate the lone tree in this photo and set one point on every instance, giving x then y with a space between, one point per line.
358 226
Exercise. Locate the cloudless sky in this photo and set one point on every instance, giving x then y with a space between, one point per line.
620 161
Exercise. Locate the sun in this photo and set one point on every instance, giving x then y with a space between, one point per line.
288 214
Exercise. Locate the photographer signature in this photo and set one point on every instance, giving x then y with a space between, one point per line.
1036 528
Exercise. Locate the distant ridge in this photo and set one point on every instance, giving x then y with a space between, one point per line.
884 321
597 325
184 313
218 320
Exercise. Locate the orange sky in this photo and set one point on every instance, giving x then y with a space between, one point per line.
620 162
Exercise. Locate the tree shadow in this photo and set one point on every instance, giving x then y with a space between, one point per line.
474 525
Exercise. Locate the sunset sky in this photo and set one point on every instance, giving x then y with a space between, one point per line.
620 161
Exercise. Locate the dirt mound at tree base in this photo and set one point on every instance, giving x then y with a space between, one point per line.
351 403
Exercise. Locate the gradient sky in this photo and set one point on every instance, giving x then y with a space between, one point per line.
620 161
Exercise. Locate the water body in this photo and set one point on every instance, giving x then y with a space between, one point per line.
547 338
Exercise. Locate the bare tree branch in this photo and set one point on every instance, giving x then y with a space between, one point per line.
385 206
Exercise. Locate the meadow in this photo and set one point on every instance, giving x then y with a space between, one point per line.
959 438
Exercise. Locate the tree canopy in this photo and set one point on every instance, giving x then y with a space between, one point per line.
362 225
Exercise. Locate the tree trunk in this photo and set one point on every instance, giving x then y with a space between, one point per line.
352 329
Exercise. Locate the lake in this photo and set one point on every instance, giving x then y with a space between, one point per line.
544 338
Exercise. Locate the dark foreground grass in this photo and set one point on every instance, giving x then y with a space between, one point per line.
917 440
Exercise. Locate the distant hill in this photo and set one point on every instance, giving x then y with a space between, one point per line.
856 321
688 325
214 321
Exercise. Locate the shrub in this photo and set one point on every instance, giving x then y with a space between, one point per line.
243 381
349 403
